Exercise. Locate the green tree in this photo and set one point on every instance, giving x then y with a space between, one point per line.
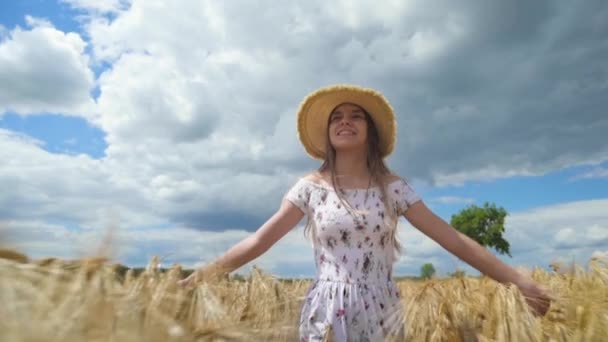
427 270
484 225
238 277
458 274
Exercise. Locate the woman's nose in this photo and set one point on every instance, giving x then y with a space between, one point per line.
344 121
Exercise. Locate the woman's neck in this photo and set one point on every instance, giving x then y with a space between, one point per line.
351 169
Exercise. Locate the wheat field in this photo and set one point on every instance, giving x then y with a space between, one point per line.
87 300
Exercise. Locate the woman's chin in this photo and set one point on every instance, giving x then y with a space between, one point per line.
349 147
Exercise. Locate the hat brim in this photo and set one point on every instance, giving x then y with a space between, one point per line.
313 116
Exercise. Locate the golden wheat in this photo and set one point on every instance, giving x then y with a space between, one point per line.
85 300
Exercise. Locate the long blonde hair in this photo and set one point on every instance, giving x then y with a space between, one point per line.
379 172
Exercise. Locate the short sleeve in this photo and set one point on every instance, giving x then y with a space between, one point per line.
405 196
299 195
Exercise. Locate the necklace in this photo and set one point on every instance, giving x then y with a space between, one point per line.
363 210
369 184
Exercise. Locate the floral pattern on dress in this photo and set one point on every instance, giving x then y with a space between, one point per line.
353 291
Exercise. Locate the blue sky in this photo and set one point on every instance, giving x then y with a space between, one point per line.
60 14
168 132
59 134
521 192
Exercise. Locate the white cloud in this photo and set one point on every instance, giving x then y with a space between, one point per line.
565 236
187 247
99 6
207 73
135 105
596 173
569 230
452 200
602 255
44 70
537 237
55 187
526 231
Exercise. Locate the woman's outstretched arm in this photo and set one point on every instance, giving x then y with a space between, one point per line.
286 217
475 255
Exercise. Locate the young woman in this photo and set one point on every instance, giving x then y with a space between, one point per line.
353 203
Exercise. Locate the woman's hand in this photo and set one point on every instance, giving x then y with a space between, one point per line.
537 296
209 272
188 281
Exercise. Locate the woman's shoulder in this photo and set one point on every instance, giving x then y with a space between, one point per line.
317 178
392 177
313 176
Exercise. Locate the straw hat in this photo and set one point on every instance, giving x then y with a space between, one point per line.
313 116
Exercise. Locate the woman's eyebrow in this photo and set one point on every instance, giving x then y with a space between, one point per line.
338 111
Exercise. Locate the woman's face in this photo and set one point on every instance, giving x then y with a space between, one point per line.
348 127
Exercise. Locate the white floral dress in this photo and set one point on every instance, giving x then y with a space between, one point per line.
353 291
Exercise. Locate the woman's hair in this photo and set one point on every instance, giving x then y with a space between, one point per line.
379 174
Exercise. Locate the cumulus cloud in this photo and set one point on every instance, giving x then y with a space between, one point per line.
539 236
601 255
440 68
563 231
44 70
79 190
292 256
452 200
207 91
99 6
89 192
596 173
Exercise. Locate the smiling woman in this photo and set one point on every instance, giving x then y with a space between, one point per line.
353 203
348 126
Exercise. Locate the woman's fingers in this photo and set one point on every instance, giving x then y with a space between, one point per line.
539 305
185 282
538 298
